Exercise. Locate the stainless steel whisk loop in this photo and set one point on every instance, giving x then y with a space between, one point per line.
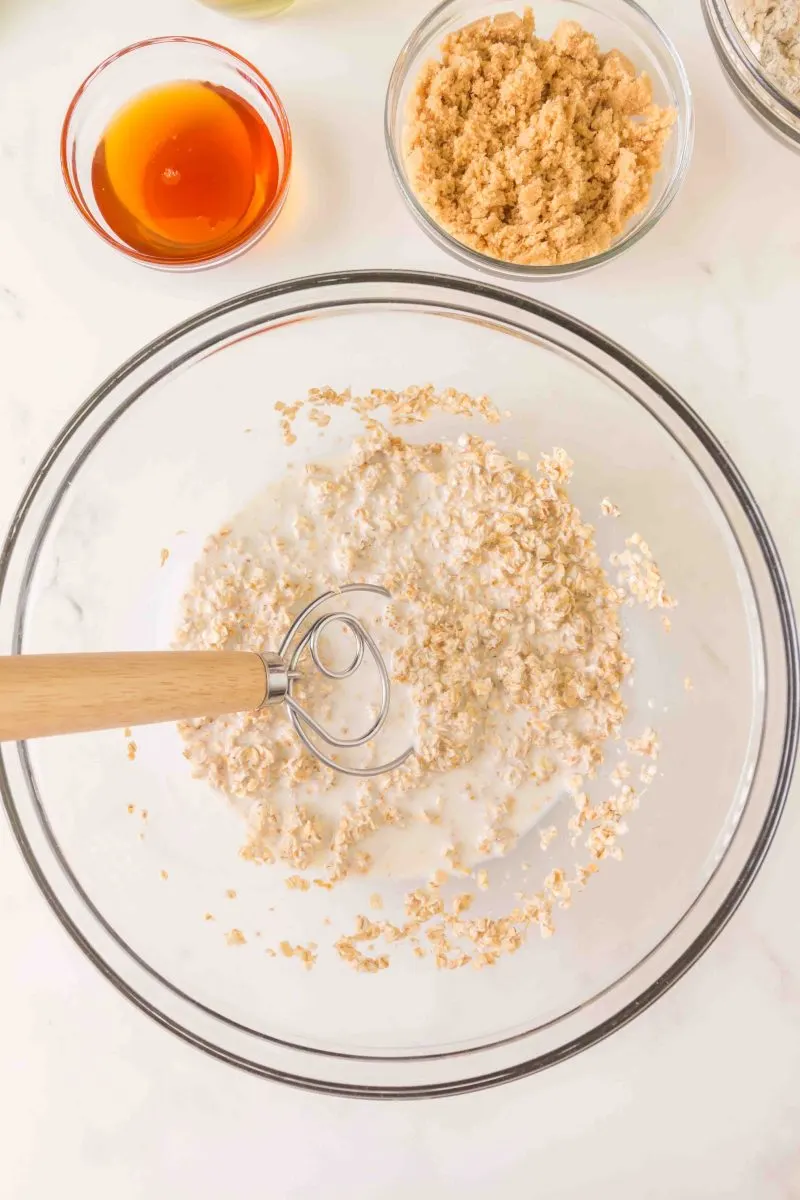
282 674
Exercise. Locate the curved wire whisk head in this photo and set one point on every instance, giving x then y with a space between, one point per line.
296 643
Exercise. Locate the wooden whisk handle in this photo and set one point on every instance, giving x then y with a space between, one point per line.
44 694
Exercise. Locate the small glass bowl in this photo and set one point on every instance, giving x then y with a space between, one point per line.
779 114
248 8
617 24
135 69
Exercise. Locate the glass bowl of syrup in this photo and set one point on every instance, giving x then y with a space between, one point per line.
177 152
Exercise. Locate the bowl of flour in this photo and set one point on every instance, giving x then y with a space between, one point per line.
758 45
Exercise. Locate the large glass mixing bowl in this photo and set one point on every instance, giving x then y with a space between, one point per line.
181 437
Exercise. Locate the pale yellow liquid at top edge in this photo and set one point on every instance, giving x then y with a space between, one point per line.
248 8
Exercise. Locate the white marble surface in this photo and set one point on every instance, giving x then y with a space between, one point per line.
697 1098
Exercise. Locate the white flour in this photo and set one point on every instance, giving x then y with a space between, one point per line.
772 30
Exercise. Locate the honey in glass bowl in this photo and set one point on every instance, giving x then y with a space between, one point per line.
185 166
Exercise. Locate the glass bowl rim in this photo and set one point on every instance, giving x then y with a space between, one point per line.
777 580
218 257
519 271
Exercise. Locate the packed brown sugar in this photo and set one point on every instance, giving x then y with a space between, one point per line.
533 150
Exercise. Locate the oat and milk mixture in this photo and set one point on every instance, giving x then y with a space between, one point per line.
533 150
504 641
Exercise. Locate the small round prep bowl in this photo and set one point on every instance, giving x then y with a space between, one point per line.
777 112
617 24
182 436
135 69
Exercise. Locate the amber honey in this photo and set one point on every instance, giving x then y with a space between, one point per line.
185 170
